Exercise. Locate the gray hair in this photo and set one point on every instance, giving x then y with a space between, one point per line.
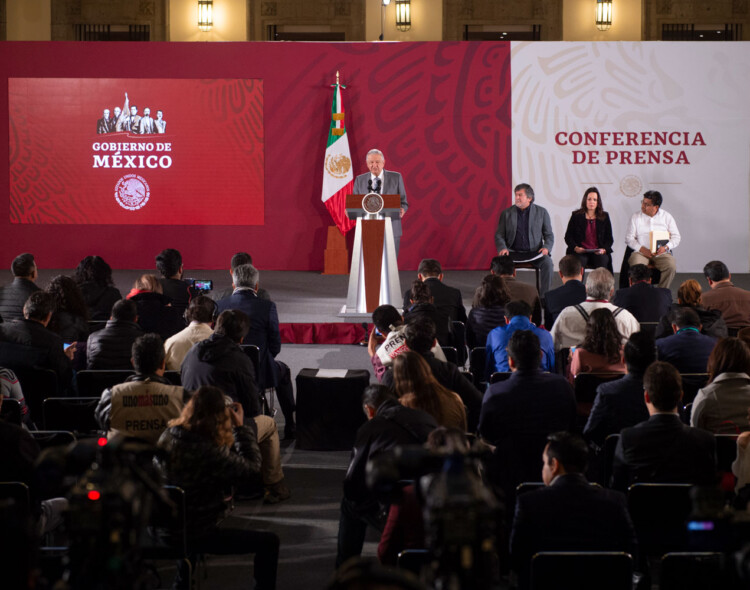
600 283
374 151
245 275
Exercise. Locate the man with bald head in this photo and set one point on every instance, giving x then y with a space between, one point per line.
384 182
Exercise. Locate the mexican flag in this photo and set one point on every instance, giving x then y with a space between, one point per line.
338 178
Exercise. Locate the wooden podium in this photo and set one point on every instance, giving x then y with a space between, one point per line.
373 278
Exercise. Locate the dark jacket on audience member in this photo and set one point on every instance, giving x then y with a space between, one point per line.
447 300
664 450
646 302
687 350
99 299
220 362
110 348
156 315
69 327
711 320
13 296
481 321
429 311
28 344
178 291
448 375
569 515
264 332
618 404
393 424
555 300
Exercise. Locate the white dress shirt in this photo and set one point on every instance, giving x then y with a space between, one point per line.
641 225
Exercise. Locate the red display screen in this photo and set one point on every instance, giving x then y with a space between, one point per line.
136 151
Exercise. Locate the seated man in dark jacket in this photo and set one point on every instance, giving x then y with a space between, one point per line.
169 264
663 449
420 337
573 290
27 343
219 361
13 296
388 424
110 347
646 302
568 514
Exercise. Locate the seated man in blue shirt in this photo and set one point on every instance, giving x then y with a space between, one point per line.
517 317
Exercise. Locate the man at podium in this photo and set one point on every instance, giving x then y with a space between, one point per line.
384 182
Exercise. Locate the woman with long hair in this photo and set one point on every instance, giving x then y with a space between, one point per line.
722 406
209 449
487 310
589 233
689 295
71 315
416 387
94 278
601 350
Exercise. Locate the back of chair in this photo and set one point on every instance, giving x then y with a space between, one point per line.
477 362
414 560
166 536
649 328
726 451
583 570
253 352
459 341
93 383
18 493
561 360
585 385
52 438
691 383
692 571
11 411
498 376
528 486
76 414
37 385
174 377
659 512
451 354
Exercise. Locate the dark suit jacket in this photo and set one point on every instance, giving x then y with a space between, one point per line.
687 350
646 302
569 515
618 404
179 292
447 300
540 229
13 296
571 293
26 343
711 320
576 232
393 184
516 417
264 331
664 450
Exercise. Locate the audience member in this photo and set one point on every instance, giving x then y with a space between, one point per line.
219 361
568 514
422 305
741 465
731 301
169 264
487 309
601 349
142 406
94 278
416 387
388 425
646 302
687 349
10 388
689 295
518 414
264 333
504 267
71 315
721 406
447 300
238 260
200 314
663 449
14 296
155 311
420 337
572 291
570 326
27 343
619 403
517 317
110 348
208 450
